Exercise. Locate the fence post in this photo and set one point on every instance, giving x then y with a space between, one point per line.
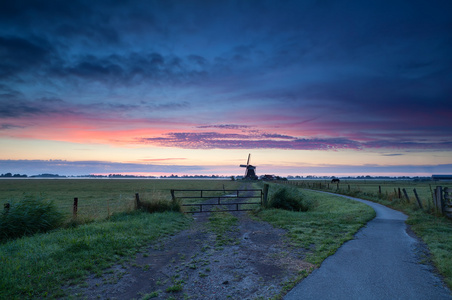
418 200
439 199
74 208
379 190
6 206
265 194
447 206
172 195
406 195
399 194
137 201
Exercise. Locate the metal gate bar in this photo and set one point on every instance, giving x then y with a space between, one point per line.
236 195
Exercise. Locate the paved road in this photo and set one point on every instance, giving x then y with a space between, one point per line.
381 262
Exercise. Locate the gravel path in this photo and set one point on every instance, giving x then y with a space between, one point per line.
255 262
383 261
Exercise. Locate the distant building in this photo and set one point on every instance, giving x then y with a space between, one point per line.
442 177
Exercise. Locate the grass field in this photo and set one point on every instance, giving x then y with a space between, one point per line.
99 198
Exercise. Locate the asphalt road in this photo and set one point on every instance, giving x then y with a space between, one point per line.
382 262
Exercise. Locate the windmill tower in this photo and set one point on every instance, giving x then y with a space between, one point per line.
250 172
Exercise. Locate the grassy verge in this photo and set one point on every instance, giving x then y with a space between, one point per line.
35 267
331 221
436 232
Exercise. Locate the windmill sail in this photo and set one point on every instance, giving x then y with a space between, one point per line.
250 172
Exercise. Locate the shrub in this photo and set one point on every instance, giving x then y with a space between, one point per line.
29 216
160 206
288 199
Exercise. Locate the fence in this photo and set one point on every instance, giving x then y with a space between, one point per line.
443 201
434 200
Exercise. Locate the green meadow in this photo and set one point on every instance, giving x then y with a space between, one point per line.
100 198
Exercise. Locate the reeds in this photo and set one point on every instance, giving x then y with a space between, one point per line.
29 216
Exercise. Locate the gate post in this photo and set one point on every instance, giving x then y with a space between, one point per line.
172 195
265 199
447 204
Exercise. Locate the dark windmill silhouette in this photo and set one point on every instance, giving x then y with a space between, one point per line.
250 172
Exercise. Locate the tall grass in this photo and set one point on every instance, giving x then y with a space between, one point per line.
29 216
156 202
288 198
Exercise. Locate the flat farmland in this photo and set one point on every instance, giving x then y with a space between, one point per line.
99 198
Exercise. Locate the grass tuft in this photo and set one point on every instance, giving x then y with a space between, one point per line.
160 206
27 217
288 198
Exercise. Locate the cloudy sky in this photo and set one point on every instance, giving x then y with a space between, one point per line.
320 87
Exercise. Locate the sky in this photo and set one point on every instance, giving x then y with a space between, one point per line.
326 87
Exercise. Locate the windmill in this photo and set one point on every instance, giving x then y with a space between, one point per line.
250 172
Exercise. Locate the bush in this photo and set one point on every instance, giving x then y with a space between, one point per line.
288 199
160 206
27 217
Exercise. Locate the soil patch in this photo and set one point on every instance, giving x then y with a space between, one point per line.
256 262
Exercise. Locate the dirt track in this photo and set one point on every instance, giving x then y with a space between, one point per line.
256 262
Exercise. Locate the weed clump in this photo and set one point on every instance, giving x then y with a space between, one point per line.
29 216
288 199
160 205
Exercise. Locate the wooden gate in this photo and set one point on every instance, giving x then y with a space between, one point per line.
219 200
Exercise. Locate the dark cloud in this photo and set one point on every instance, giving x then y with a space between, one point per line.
19 55
14 109
7 126
225 126
215 140
259 140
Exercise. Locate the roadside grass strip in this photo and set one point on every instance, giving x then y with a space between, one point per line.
38 266
329 222
436 232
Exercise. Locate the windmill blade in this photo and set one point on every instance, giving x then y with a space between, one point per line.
249 156
243 166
